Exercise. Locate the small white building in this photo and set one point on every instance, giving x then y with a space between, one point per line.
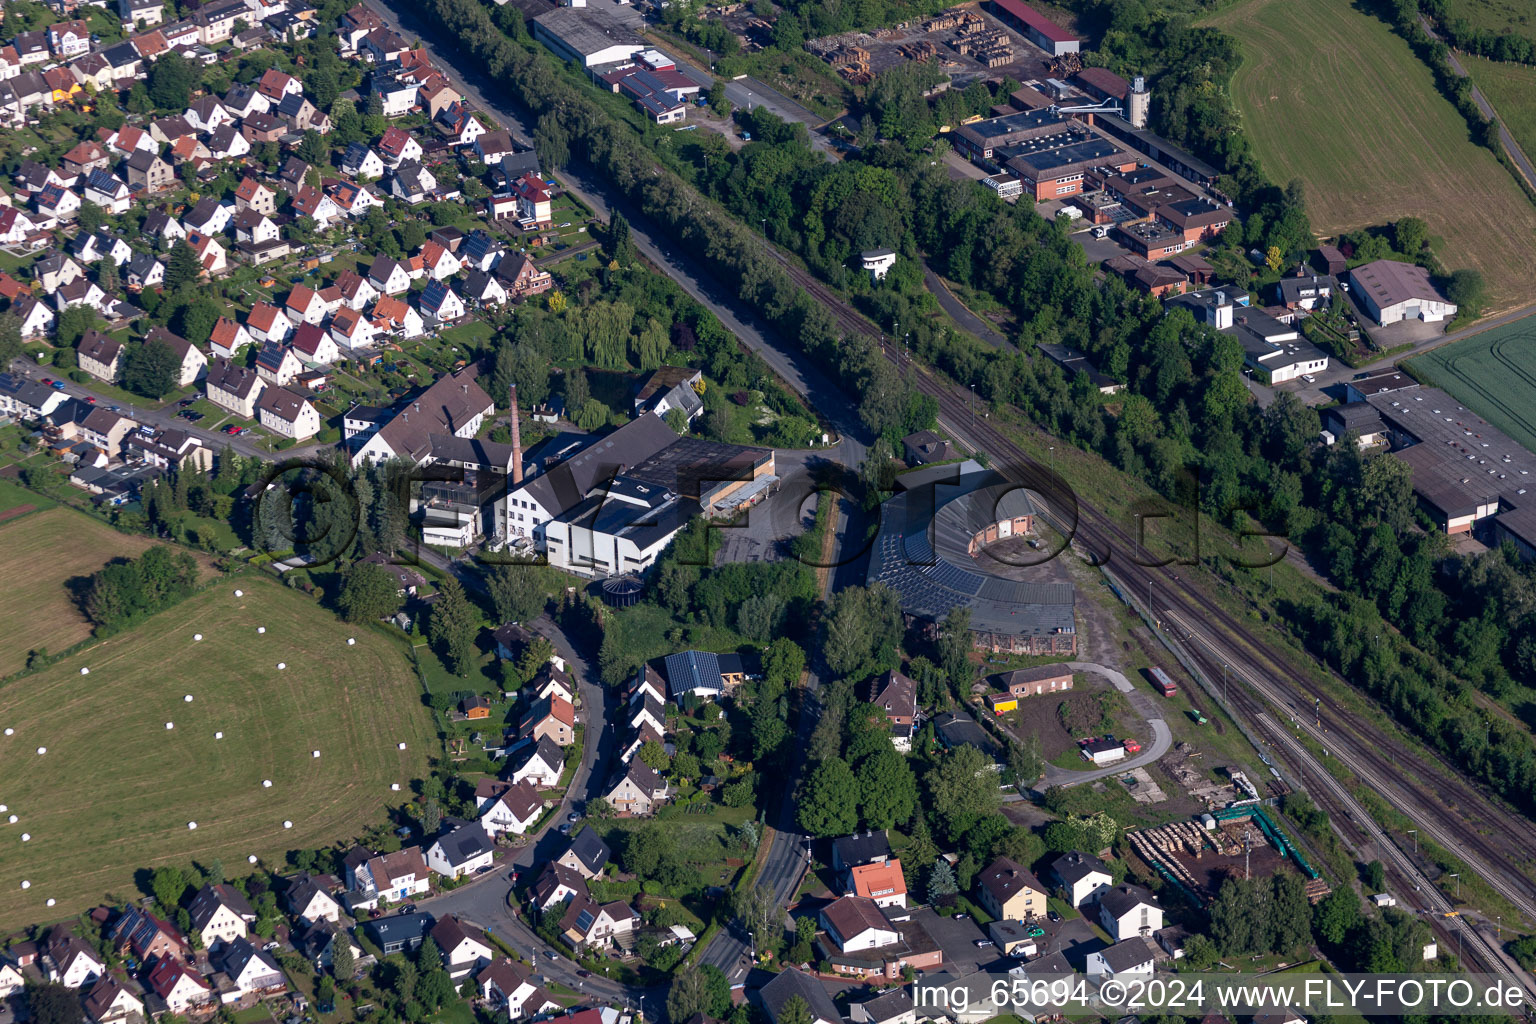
1129 911
878 262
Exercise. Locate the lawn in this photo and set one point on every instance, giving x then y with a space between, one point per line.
116 789
1494 373
1390 147
1511 88
47 549
1497 15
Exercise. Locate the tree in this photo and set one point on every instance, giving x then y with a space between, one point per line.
172 78
717 101
941 880
830 804
1411 235
90 218
106 275
71 325
151 369
1200 952
428 956
1274 258
761 914
343 965
1025 763
182 267
517 592
368 592
887 789
53 1003
451 627
1465 288
654 756
961 789
10 337
621 247
168 885
688 995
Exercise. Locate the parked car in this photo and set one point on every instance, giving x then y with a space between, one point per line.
982 943
1051 915
58 385
1036 932
960 917
1309 378
90 399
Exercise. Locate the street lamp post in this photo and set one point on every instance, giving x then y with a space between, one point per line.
1052 450
1457 876
1415 833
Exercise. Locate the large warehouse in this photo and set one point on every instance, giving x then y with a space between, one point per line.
1039 29
586 35
931 550
1391 291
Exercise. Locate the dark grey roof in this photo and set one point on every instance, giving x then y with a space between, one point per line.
590 849
889 1006
931 577
957 729
566 485
693 670
862 848
470 451
402 927
1075 866
549 752
464 843
238 954
1050 965
793 983
1124 955
1122 899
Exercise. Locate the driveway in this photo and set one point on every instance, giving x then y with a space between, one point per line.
1144 706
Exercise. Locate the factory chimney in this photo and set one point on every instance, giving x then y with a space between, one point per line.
517 441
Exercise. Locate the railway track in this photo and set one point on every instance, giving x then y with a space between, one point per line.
1494 840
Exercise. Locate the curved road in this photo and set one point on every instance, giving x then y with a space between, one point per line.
1162 737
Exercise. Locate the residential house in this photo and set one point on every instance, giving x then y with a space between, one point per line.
287 413
438 262
35 317
277 363
146 172
392 876
315 345
355 290
311 202
167 448
382 46
402 933
1127 911
229 338
16 226
883 883
553 719
541 764
352 329
207 113
482 290
350 198
638 790
521 277
84 158
99 245
100 356
587 855
304 305
1008 891
465 948
458 125
587 925
63 86
56 270
69 961
25 399
893 1007
356 23
109 1001
208 216
178 986
254 229
454 405
320 942
507 807
163 228
397 95
415 184
462 851
394 316
234 387
275 85
140 12
398 146
221 914
854 923
107 191
1129 958
792 983
481 250
227 142
251 971
436 96
440 304
259 128
144 271
193 362
896 694
389 276
1083 875
535 204
490 147
251 194
555 885
268 323
299 114
244 101
359 161
508 983
211 253
68 39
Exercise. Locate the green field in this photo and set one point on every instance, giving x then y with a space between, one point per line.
46 549
1494 374
1511 88
1497 15
1332 96
114 792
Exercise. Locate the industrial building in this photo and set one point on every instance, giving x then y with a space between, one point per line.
1274 351
1391 291
1037 28
586 36
967 508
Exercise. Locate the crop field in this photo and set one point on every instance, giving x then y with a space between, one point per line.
1493 374
1497 15
1386 145
115 791
40 551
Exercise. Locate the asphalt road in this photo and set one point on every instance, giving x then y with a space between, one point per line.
153 415
1144 706
1510 145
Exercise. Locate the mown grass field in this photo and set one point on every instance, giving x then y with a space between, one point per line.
114 792
1497 15
39 553
1511 88
1493 374
1331 96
